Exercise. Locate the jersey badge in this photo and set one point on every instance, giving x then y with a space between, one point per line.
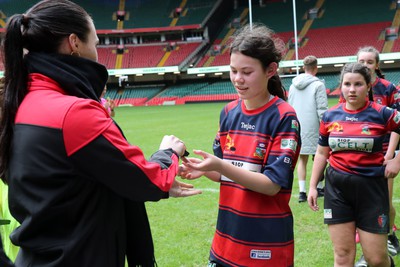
260 150
230 144
295 125
396 118
289 144
365 130
327 214
382 220
335 127
260 254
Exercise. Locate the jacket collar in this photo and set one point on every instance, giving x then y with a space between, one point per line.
76 76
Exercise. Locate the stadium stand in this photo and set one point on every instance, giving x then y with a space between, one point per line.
144 56
107 56
191 33
180 53
135 96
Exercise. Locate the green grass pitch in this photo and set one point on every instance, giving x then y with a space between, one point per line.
183 228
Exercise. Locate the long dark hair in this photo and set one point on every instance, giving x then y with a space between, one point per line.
258 42
359 68
41 29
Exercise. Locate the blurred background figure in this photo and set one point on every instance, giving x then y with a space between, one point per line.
307 95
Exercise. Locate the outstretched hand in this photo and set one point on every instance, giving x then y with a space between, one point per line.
180 189
186 172
209 162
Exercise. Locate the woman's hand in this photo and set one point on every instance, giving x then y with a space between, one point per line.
173 142
180 189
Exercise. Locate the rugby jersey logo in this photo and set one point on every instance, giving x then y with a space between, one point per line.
335 127
247 126
295 125
365 130
382 220
378 100
289 144
260 254
396 118
260 150
357 144
230 143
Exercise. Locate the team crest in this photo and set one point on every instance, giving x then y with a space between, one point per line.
382 220
396 118
365 130
295 125
260 150
335 127
230 143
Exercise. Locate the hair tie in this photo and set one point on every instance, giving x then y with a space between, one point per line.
24 20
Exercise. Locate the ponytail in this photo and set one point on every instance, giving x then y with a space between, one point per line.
371 95
15 86
275 87
42 29
379 73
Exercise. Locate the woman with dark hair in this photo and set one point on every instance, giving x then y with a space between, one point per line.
356 192
256 149
4 259
76 186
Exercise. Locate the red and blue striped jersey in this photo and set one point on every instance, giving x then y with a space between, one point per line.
384 93
254 229
356 137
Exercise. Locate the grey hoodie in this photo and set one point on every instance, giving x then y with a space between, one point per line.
307 95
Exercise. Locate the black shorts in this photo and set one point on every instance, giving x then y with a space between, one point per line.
355 198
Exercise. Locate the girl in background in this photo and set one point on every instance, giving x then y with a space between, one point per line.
356 192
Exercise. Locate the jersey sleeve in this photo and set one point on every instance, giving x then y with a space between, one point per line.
394 97
392 116
98 149
323 139
283 151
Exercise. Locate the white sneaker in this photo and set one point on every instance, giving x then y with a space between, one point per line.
393 244
391 249
361 262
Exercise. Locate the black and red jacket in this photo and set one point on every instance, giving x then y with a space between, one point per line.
71 171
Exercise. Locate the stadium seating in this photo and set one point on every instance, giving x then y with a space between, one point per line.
145 56
133 96
361 23
180 53
341 41
107 56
